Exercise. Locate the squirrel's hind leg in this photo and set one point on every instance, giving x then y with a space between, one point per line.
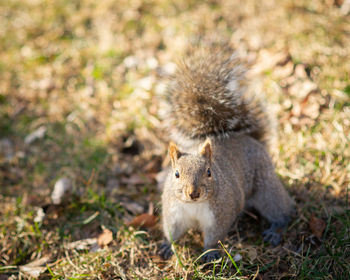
272 201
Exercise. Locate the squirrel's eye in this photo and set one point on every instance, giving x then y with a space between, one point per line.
209 172
177 174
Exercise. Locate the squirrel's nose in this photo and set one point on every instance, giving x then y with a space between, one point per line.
194 194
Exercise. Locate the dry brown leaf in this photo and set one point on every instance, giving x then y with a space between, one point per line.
301 89
306 110
32 271
296 110
317 226
145 220
311 106
267 60
252 254
300 71
83 244
284 71
62 190
35 268
105 238
312 110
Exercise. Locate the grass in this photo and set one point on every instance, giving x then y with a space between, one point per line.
92 74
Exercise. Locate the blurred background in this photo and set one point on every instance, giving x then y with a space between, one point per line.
81 137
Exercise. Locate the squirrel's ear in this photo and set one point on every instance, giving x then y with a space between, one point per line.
206 150
174 153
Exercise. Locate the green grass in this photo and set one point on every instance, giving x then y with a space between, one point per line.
63 67
331 259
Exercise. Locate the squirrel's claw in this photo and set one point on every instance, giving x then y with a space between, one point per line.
165 250
272 237
211 256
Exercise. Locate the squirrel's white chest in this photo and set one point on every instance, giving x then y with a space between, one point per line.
196 214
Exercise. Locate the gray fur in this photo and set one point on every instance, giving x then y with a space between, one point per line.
217 127
242 175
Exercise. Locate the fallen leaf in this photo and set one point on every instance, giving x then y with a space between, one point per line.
145 220
32 271
268 60
284 71
37 134
62 189
82 244
35 268
312 110
105 238
40 215
296 110
311 106
317 226
300 71
252 254
301 89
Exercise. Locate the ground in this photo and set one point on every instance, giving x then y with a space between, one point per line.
81 98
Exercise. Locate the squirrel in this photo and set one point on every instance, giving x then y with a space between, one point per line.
219 158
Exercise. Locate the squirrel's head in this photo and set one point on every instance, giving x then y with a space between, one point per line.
192 176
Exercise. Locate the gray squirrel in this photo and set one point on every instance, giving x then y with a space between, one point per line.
219 159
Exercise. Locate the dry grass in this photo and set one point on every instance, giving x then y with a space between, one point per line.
90 73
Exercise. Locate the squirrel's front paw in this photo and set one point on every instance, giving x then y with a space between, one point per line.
165 250
211 256
272 237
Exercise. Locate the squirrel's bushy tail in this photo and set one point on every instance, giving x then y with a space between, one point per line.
208 96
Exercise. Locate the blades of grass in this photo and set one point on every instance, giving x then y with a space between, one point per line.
267 266
222 266
177 255
304 264
195 271
54 277
214 271
229 255
8 267
175 252
256 273
91 218
226 263
201 255
79 276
